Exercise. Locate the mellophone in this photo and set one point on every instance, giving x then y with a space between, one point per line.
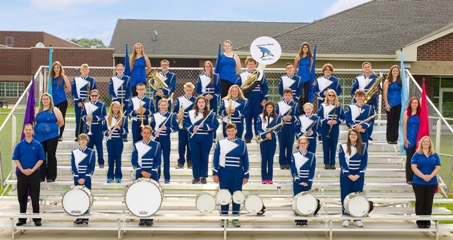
206 202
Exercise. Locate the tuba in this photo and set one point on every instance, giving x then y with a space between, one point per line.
372 93
250 83
158 83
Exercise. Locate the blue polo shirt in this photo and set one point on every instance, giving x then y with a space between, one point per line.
426 165
29 153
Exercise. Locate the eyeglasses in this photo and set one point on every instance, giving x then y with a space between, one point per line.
303 143
141 89
94 95
164 65
352 134
330 95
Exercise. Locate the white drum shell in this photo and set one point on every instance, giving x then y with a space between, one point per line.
77 201
144 197
305 204
205 203
238 197
356 206
223 197
253 203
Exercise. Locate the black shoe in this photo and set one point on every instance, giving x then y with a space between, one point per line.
78 221
20 223
203 181
248 140
50 180
262 211
288 167
43 180
142 223
75 140
167 181
427 225
38 223
282 167
189 164
125 140
327 166
85 221
195 181
149 223
409 182
60 139
332 167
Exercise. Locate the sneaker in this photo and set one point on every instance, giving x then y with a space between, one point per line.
358 224
167 181
195 181
236 223
118 180
248 140
50 180
282 167
189 164
85 221
270 182
304 224
179 166
327 166
333 167
78 221
20 223
288 167
109 180
299 224
38 223
142 223
149 223
203 181
223 222
370 142
101 165
264 182
345 223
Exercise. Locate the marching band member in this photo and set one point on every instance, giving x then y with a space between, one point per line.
208 85
303 168
304 61
288 110
331 115
265 121
257 95
146 160
182 107
28 156
93 115
164 123
170 79
290 80
139 109
83 161
120 91
80 89
353 155
140 67
308 125
364 82
392 99
236 112
411 124
358 112
231 168
323 83
114 130
60 86
200 124
228 65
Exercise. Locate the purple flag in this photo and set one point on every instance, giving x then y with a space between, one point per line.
30 109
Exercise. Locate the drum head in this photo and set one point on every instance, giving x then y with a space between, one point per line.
223 197
238 197
76 202
305 204
205 203
143 198
253 203
358 206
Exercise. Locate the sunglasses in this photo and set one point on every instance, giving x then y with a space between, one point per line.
94 95
330 95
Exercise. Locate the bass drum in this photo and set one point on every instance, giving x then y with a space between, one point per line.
253 204
77 201
356 205
205 203
305 204
144 197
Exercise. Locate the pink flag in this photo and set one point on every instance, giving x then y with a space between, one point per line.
423 130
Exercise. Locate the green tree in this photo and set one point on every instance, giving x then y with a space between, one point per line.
88 43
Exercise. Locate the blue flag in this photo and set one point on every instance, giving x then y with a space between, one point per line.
217 63
311 94
127 68
404 102
49 83
30 109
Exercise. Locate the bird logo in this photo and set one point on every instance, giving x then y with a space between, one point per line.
266 52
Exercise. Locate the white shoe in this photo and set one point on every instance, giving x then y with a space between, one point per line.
370 142
358 224
345 223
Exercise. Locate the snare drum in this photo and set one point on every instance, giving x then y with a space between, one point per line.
356 205
223 197
205 203
238 197
305 204
253 203
77 201
144 197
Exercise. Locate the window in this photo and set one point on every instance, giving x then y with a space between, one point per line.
11 89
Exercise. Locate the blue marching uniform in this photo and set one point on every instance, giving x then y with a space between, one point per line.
115 146
135 104
292 82
286 134
241 109
120 91
79 90
157 122
255 97
204 87
329 144
355 114
146 157
97 110
322 84
305 123
83 162
364 83
267 147
170 80
352 164
303 168
200 143
231 164
183 137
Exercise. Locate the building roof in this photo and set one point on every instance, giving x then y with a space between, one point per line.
376 27
189 38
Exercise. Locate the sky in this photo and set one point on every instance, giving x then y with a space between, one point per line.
97 18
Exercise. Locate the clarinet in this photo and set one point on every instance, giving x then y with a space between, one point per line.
333 118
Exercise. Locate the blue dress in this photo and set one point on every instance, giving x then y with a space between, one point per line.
138 72
413 122
46 126
58 93
227 69
304 69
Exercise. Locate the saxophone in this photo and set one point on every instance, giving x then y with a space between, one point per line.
158 83
180 121
372 93
260 140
